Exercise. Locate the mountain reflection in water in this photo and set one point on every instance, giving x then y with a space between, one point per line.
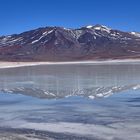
59 81
73 116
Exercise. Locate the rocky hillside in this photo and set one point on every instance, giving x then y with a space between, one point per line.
62 44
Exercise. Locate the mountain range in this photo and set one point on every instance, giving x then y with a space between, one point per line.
93 42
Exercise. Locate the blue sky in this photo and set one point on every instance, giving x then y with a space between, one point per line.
20 15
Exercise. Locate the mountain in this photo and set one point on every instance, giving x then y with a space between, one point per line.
62 44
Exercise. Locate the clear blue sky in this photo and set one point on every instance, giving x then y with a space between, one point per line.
20 15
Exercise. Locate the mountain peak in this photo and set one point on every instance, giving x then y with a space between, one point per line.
137 34
59 43
89 26
102 27
99 27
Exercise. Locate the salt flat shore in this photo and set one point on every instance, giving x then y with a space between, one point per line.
6 64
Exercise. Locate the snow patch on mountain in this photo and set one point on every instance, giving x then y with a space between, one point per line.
89 26
135 34
102 28
43 35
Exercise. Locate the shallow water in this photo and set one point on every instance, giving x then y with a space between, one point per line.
70 102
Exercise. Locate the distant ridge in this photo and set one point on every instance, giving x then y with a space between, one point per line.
92 42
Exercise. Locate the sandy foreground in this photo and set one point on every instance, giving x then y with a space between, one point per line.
4 64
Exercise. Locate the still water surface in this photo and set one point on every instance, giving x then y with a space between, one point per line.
100 102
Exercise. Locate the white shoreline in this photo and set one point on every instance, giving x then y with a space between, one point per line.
4 64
